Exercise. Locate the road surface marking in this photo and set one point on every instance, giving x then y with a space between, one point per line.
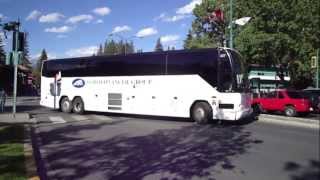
79 117
56 119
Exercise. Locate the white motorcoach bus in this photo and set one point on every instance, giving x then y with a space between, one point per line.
199 84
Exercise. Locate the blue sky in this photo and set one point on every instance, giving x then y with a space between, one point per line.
69 28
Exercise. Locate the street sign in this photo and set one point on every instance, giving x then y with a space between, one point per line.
314 62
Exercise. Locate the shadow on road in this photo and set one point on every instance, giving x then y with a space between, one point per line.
180 153
311 171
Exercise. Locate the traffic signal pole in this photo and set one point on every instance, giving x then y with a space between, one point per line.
15 73
17 48
318 69
231 26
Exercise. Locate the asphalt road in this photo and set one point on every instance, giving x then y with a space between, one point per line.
104 146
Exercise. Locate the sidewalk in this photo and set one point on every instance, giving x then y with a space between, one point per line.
295 121
20 118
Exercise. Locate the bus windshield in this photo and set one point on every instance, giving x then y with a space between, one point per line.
240 74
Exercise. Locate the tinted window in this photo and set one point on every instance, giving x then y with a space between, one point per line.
295 95
203 63
271 94
280 95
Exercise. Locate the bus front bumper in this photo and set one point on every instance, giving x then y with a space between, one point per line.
244 113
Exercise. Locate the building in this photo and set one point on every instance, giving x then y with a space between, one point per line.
265 79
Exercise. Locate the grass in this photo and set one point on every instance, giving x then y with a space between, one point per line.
11 153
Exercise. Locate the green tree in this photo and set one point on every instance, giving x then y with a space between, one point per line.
159 46
112 47
205 31
37 70
100 50
25 54
281 32
2 52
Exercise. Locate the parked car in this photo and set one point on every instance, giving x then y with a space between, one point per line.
314 96
292 103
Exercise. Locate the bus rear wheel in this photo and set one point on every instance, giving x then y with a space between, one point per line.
65 105
78 105
201 112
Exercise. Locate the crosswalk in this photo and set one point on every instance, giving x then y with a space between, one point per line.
67 118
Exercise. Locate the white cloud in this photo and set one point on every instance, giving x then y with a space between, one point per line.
119 29
99 21
62 29
188 8
169 39
52 17
33 15
160 17
80 18
175 18
102 11
147 32
165 18
83 51
3 17
52 56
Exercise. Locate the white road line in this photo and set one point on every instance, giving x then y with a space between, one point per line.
102 118
56 119
79 117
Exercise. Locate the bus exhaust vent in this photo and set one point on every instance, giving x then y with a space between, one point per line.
114 101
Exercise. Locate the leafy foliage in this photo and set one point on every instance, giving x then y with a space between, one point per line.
159 46
37 70
112 47
205 32
2 52
280 32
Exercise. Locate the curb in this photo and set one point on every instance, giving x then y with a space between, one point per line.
21 118
293 121
30 164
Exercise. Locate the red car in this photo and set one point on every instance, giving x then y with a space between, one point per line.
290 102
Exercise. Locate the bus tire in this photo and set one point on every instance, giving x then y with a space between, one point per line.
65 105
78 105
201 112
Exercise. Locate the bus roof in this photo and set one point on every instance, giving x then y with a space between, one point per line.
146 53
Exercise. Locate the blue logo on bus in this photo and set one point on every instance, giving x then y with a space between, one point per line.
78 83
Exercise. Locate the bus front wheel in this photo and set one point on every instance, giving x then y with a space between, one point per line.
65 105
78 105
201 112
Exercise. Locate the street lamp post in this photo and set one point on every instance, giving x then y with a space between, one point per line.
317 73
231 26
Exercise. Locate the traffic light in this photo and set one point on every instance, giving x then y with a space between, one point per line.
20 41
9 59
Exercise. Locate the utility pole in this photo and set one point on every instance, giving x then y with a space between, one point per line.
230 26
318 69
